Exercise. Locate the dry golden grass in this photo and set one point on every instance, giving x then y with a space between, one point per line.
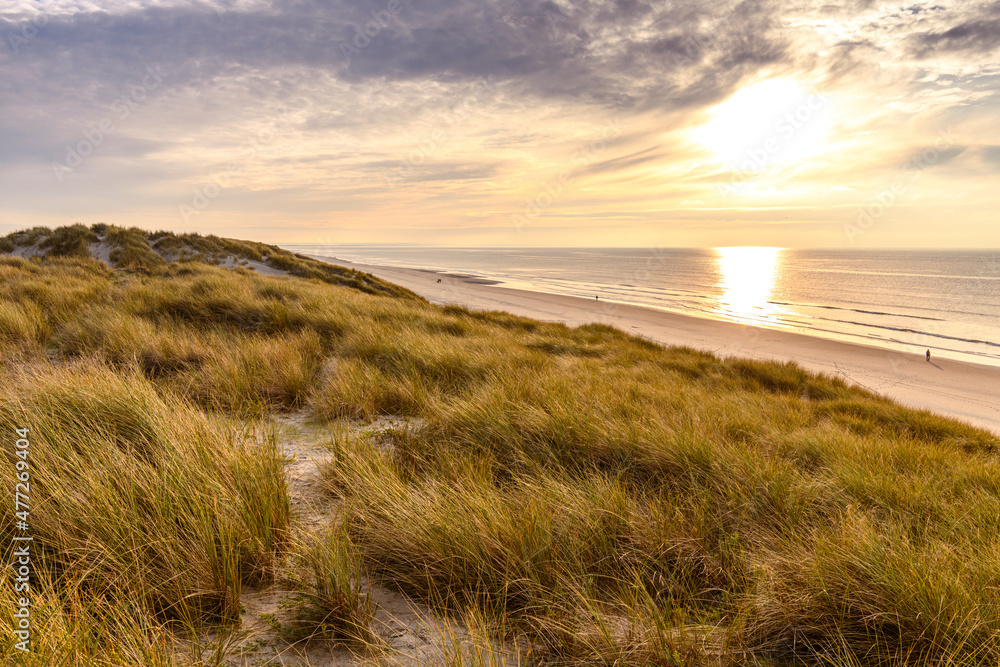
603 499
143 509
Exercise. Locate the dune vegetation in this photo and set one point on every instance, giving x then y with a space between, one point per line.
148 253
577 495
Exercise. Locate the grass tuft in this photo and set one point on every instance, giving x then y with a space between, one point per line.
139 500
336 607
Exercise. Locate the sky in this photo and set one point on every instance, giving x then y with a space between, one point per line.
507 122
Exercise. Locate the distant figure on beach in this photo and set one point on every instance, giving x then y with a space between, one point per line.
439 280
928 355
596 298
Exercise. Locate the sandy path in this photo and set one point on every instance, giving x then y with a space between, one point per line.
411 633
969 392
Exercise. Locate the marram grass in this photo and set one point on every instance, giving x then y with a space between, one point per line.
144 511
590 497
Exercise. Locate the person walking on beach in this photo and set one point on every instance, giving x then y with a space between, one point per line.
928 355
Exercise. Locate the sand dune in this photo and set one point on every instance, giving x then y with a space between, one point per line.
969 392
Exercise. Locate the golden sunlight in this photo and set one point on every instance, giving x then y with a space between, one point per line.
773 122
747 277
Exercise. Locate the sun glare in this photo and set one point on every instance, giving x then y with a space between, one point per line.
747 277
771 123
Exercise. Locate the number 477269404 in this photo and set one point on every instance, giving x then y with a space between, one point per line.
21 497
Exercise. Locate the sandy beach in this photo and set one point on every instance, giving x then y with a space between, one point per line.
969 392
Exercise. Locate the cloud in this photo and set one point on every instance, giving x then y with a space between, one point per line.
991 155
493 96
972 37
617 53
965 29
639 158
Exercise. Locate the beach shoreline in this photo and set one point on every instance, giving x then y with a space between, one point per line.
966 391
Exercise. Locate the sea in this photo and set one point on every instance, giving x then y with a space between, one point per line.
947 301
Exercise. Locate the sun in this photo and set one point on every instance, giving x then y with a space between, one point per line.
771 123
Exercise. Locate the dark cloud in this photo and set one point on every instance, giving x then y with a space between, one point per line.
917 9
618 53
978 33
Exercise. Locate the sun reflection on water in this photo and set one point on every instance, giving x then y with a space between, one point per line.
747 277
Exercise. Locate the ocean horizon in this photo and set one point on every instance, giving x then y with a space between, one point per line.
947 301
